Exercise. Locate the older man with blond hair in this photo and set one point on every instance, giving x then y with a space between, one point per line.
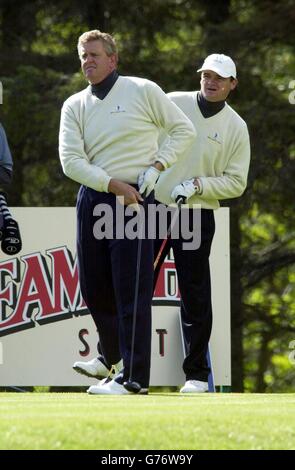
108 137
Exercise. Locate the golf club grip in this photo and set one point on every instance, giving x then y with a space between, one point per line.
143 195
180 200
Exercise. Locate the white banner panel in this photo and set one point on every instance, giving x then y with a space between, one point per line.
45 326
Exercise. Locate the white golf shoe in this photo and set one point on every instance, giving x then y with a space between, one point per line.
112 388
96 368
194 386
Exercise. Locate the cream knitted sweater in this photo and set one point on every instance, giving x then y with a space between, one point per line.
117 137
219 156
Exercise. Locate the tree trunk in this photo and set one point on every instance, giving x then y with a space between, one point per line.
96 15
263 362
217 11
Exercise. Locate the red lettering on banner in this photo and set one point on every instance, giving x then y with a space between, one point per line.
8 294
65 282
44 295
167 285
34 293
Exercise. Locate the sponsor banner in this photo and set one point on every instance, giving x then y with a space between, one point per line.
45 326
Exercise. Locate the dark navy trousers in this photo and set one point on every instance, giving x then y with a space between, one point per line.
107 275
193 272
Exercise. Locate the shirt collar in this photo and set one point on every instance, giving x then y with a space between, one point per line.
209 108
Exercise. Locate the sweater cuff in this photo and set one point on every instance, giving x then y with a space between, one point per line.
202 181
105 184
163 161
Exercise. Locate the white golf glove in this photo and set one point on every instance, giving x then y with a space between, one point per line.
185 190
147 180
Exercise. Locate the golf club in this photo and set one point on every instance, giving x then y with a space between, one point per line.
131 385
180 200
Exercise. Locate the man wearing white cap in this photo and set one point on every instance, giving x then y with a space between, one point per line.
215 168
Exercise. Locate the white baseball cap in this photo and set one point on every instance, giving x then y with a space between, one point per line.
221 64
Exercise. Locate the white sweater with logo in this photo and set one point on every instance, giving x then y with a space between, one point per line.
117 137
219 156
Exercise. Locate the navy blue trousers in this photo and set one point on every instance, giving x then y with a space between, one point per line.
193 274
107 274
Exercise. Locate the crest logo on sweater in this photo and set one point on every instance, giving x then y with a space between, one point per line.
215 137
118 109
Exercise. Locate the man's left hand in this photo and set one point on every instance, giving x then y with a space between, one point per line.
186 189
147 180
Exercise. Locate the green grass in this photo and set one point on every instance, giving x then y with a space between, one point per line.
155 422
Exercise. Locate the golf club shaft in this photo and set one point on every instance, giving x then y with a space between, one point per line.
180 201
138 260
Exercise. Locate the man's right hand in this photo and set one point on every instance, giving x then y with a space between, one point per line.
130 194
